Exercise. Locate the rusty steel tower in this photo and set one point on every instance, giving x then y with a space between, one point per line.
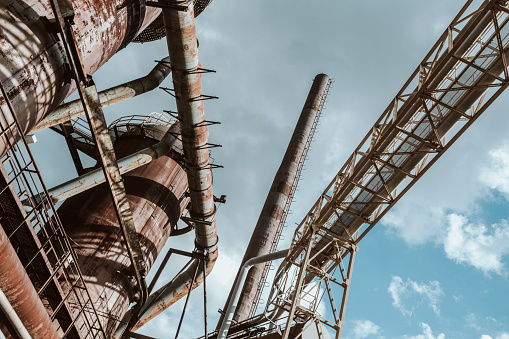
151 171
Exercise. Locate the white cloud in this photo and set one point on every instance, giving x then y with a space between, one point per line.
477 245
365 328
503 335
429 293
482 246
425 225
496 176
472 322
427 333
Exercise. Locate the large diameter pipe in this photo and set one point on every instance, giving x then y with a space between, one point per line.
232 306
183 52
281 192
126 164
13 318
108 97
21 294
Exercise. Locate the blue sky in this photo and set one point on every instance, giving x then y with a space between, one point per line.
437 265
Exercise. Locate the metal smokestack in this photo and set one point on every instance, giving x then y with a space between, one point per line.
268 228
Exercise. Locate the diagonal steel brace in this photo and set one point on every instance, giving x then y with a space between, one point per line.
64 14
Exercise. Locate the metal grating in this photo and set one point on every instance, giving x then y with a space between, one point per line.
155 31
36 233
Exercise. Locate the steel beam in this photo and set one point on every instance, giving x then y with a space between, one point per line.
346 291
99 130
67 130
298 285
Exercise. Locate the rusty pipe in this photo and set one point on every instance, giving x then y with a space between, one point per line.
126 164
21 294
183 53
237 289
280 194
74 109
12 317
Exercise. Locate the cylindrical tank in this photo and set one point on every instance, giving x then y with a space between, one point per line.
157 195
33 66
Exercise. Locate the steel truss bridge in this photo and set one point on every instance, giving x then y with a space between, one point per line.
465 71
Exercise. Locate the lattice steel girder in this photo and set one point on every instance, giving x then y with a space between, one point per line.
300 297
465 71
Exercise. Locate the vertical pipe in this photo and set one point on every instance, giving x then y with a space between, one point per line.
281 193
21 294
183 54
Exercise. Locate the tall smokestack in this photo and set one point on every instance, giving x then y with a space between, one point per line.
268 228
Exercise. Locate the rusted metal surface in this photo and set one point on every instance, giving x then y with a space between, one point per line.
10 323
156 31
23 297
33 59
183 52
266 233
99 131
156 194
108 97
126 164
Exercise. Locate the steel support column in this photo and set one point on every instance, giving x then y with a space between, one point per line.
67 130
93 110
298 287
346 291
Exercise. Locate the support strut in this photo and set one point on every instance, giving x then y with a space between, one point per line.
93 111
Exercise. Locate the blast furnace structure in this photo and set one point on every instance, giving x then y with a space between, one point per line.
74 272
79 272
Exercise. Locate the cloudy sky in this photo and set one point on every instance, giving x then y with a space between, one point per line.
437 266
